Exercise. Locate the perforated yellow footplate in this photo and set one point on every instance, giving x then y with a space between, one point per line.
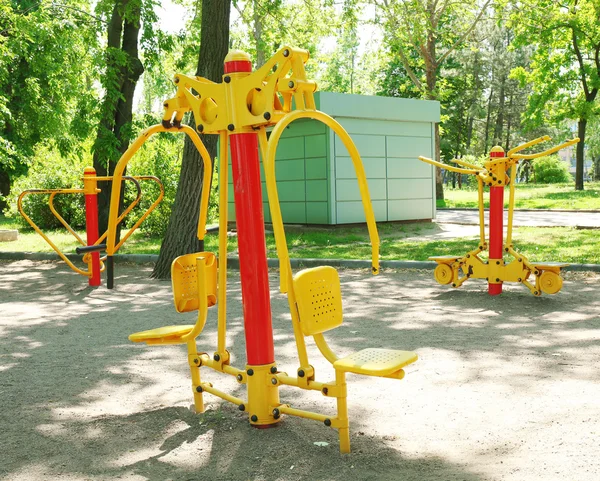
375 362
166 335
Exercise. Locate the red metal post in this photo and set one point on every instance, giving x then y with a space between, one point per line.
252 249
91 220
496 225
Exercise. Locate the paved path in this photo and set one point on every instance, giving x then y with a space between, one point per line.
539 218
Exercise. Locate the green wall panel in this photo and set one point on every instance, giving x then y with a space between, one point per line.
375 167
410 189
290 148
316 190
316 168
315 145
293 212
292 191
347 190
410 168
367 145
409 147
317 212
353 212
415 209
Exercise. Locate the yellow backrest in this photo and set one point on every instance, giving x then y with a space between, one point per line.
184 279
319 299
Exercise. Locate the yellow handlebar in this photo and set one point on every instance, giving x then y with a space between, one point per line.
518 148
269 165
546 152
449 167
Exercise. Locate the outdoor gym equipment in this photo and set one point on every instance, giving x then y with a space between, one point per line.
92 248
239 110
495 270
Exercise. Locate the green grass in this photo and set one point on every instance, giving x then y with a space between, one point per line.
398 242
532 196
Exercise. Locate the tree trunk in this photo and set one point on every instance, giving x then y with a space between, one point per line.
581 126
500 115
181 235
117 110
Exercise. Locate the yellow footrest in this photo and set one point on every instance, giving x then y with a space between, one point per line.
551 266
162 335
375 362
443 259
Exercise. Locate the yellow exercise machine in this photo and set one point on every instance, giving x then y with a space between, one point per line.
495 270
239 110
94 245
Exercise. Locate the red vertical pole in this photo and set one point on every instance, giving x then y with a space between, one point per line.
496 224
91 220
252 249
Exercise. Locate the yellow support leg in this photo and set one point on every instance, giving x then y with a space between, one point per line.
342 408
194 362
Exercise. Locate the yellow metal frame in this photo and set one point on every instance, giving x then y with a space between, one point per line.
251 103
90 186
519 269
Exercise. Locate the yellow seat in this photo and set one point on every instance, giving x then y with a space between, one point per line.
375 362
184 280
163 335
317 296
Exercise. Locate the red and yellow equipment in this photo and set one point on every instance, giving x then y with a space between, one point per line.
93 245
495 174
239 110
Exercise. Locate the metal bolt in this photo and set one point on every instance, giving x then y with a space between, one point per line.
273 369
325 391
227 79
286 53
216 357
499 181
196 361
240 378
497 280
250 372
327 422
276 413
535 293
291 84
520 280
520 260
267 115
301 373
506 249
176 80
274 381
199 389
231 127
165 105
200 128
454 284
480 248
254 418
497 263
241 407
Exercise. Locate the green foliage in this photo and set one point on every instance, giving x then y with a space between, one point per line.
45 82
51 170
551 170
161 157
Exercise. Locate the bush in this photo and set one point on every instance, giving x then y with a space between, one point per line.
551 170
51 171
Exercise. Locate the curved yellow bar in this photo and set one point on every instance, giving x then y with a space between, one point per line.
449 167
269 164
465 164
547 152
518 148
115 194
38 230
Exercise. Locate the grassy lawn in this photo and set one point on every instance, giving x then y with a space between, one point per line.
398 242
533 196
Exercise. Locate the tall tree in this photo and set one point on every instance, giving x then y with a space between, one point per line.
565 69
123 69
423 34
46 73
181 235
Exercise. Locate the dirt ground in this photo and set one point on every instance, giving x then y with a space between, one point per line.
506 388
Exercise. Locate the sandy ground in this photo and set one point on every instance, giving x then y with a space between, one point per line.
506 388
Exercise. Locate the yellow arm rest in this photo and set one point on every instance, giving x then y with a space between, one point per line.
449 167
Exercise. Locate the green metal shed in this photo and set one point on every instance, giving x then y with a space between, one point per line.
315 175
